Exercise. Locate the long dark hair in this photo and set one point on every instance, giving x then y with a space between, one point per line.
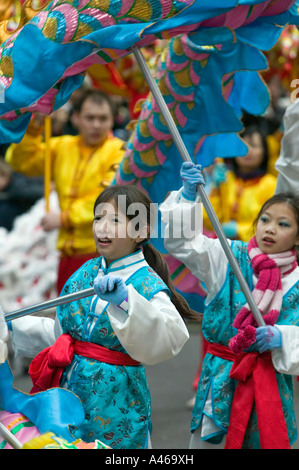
289 198
152 256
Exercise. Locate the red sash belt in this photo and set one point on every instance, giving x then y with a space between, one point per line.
47 367
256 383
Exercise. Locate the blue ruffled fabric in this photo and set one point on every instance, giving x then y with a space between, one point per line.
40 63
53 410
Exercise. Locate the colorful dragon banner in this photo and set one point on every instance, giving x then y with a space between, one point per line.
41 62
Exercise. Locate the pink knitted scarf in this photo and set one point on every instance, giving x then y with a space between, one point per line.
267 293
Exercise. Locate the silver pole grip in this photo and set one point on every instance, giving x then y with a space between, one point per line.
49 304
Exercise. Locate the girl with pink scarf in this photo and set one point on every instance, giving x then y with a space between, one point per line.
245 396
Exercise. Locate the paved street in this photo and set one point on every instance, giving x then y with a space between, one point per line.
171 386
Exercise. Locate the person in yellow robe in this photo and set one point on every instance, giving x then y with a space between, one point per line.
240 187
81 167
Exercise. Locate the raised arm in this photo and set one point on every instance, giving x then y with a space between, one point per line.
183 238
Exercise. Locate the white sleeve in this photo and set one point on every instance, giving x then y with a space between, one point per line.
184 240
31 334
287 163
286 359
150 331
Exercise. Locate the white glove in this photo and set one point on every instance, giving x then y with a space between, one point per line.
3 337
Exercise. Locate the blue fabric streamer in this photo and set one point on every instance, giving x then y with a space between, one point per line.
53 410
40 63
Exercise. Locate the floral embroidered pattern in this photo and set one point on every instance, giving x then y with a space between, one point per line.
116 399
217 328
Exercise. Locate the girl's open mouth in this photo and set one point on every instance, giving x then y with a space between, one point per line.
268 241
104 241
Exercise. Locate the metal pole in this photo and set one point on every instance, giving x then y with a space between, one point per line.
64 299
10 438
204 198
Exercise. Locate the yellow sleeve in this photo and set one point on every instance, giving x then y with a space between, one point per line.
80 211
256 197
245 231
28 157
220 199
111 162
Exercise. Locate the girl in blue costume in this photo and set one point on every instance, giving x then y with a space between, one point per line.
245 396
101 342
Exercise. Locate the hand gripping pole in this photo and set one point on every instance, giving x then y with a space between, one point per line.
178 141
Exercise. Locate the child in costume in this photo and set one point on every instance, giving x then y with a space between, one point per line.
102 341
244 393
